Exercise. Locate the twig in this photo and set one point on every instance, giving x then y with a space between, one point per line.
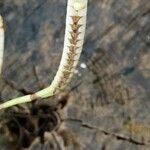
73 43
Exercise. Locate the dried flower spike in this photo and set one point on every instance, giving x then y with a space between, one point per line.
73 43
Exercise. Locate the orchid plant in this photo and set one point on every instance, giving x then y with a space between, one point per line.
73 44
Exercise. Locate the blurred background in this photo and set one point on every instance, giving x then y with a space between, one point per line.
108 103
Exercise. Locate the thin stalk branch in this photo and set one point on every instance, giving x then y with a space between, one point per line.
1 43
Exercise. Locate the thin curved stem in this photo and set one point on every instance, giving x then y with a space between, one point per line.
1 43
73 43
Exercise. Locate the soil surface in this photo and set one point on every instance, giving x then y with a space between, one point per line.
107 104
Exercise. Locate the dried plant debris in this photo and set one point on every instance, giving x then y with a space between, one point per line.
25 124
37 125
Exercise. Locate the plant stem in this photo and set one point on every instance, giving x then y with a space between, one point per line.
73 43
1 43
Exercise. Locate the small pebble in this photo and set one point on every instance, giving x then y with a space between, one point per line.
83 65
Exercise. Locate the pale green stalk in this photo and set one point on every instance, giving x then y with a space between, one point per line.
73 43
1 43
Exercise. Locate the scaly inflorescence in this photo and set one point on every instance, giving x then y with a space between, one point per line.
72 52
73 43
